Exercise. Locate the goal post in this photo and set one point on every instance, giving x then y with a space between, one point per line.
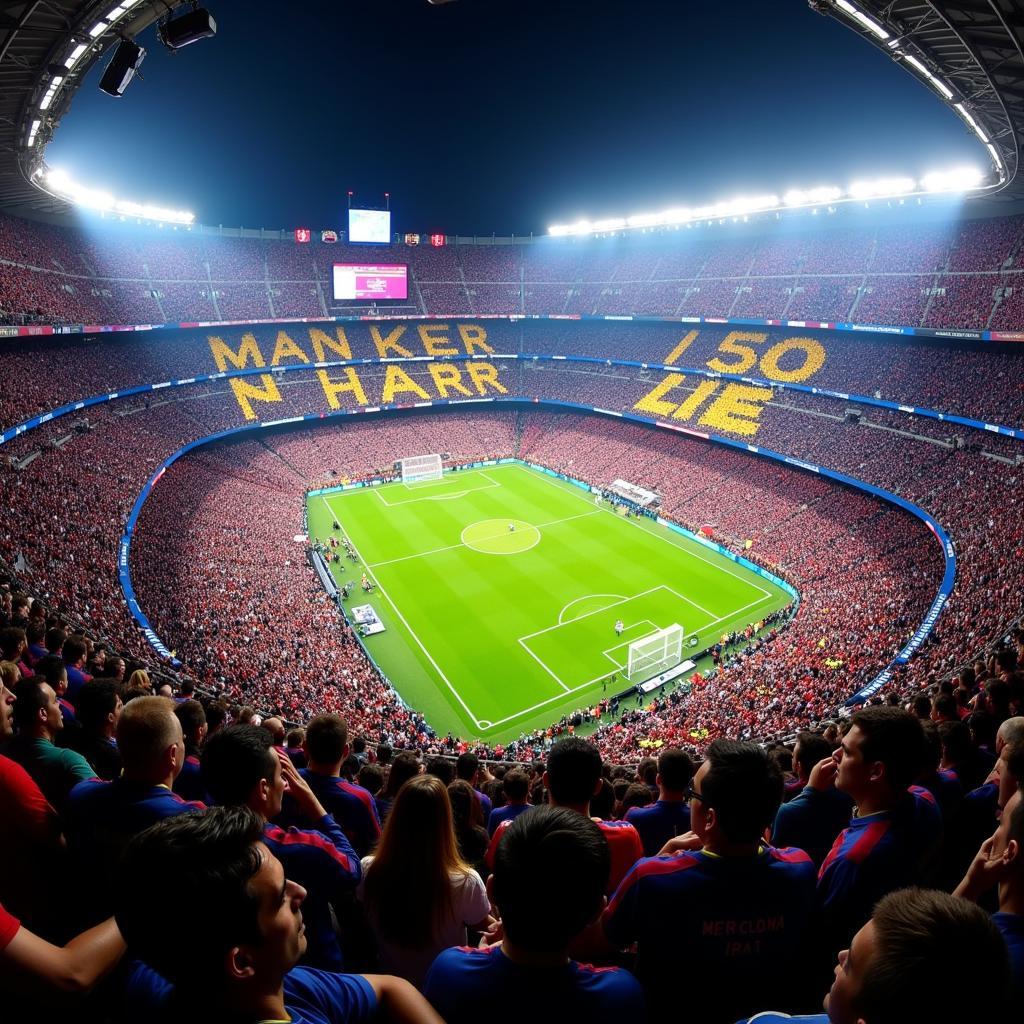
656 653
421 467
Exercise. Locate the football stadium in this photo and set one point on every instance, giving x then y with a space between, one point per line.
573 563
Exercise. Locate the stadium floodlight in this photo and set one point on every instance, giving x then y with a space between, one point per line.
869 23
33 132
882 188
966 115
60 184
812 196
928 76
960 179
75 55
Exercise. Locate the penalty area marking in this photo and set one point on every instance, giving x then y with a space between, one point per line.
586 597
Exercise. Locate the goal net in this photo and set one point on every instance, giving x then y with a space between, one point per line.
655 653
421 467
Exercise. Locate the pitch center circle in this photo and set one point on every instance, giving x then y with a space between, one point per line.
500 536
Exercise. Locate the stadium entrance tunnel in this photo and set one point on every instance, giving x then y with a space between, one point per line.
500 536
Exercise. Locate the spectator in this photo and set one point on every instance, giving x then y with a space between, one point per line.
75 653
405 767
353 807
893 839
548 883
420 896
192 716
812 819
467 767
293 747
734 910
670 815
470 834
275 727
38 719
895 967
99 709
516 786
102 817
240 766
241 965
999 865
572 777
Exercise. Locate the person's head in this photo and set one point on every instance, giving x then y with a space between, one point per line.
466 810
54 639
7 701
114 667
240 766
675 770
516 785
275 727
99 707
405 766
37 712
9 674
811 747
880 755
893 969
371 778
636 795
12 643
736 792
75 651
408 887
139 680
295 738
326 743
647 771
944 708
550 873
193 723
165 690
150 740
1011 733
573 773
467 767
251 933
35 631
442 768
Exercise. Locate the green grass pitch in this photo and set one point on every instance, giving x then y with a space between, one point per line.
492 632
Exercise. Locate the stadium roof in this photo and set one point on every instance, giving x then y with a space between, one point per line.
44 44
972 50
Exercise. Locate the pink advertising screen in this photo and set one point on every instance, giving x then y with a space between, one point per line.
371 281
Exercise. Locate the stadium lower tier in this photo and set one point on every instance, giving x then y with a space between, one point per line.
230 591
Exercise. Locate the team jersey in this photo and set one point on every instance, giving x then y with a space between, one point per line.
873 856
623 844
56 770
485 804
739 925
310 997
500 815
9 926
812 820
1012 928
189 783
102 817
325 865
659 822
945 786
351 806
76 680
465 984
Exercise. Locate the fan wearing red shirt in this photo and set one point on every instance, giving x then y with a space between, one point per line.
572 777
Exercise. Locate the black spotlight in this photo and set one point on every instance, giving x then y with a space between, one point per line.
187 28
127 60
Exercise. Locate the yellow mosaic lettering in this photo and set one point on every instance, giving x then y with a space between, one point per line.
447 376
433 342
703 391
737 409
244 391
287 349
484 374
474 336
691 337
747 356
652 401
390 342
333 388
814 359
322 341
248 351
396 382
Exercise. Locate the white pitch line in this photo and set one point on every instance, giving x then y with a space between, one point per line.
596 611
544 666
720 564
586 597
405 622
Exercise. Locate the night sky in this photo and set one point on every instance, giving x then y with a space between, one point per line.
502 116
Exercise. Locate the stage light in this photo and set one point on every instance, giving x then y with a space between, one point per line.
187 28
127 60
882 187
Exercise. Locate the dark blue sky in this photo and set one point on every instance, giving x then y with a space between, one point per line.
502 116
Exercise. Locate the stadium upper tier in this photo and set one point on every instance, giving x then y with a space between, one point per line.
903 270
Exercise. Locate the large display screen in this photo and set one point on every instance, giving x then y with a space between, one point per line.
369 226
371 281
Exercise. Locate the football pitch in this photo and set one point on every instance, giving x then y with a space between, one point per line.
492 631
